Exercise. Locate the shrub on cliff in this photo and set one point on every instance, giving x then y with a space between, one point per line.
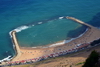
92 59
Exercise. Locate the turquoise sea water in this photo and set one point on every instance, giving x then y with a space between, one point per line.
44 15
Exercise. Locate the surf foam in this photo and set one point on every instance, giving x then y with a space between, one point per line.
66 41
39 22
33 25
10 34
61 17
19 29
6 59
56 44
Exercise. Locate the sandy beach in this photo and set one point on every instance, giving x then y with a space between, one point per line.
28 53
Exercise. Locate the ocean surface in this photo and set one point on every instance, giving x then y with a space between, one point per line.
42 22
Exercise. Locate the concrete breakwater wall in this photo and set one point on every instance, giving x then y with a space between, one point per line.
17 48
79 21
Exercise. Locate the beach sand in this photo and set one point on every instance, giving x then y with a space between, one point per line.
72 59
28 53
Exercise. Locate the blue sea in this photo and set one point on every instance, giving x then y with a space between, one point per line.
42 22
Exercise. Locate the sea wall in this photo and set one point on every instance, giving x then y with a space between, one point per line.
79 21
17 48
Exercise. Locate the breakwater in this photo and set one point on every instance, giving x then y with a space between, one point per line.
79 21
17 48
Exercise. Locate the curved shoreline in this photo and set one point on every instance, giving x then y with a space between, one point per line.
59 43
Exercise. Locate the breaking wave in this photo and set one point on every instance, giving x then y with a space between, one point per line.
6 59
66 41
61 17
19 29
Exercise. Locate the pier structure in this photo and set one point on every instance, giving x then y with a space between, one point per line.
79 21
17 48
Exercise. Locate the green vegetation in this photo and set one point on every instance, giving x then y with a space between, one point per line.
80 63
92 59
22 66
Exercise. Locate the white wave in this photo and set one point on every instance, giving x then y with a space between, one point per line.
13 45
34 47
56 44
61 17
10 34
19 29
63 42
39 22
6 59
33 25
66 41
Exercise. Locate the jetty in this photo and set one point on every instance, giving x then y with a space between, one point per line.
17 48
79 21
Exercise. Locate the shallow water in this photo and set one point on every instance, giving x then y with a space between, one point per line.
47 33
